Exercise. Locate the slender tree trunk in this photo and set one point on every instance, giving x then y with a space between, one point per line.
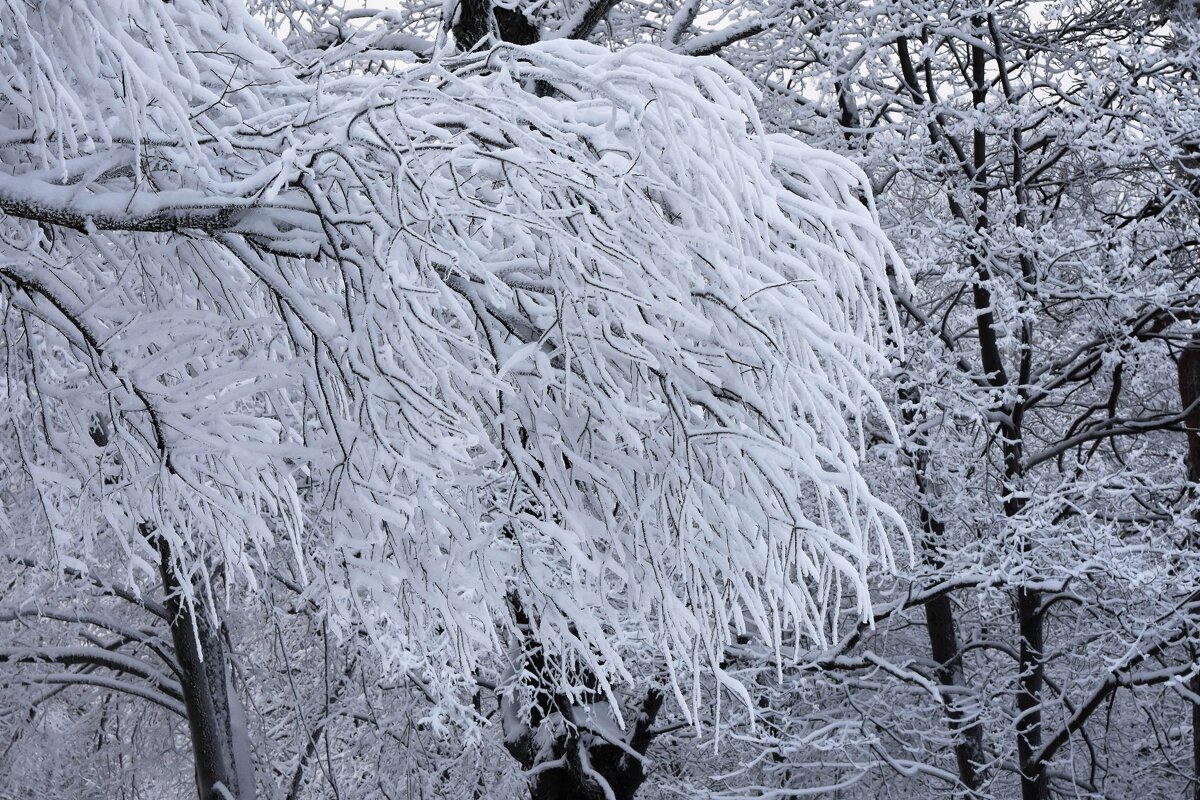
973 161
942 628
1194 685
1031 667
212 709
1189 393
944 646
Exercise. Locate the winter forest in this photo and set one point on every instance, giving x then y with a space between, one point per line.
599 399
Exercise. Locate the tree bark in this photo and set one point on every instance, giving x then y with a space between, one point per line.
1189 392
942 628
478 18
1030 619
583 755
207 693
554 731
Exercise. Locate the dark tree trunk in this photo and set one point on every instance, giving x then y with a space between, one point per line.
554 729
477 18
1189 394
941 626
207 695
623 772
944 646
1030 620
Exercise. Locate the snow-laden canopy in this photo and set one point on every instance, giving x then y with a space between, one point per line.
550 329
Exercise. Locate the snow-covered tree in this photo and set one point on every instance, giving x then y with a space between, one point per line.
1034 163
539 370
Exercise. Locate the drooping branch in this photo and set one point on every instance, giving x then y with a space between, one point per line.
114 661
126 593
72 678
146 637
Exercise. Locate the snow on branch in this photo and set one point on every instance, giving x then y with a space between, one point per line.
133 211
550 323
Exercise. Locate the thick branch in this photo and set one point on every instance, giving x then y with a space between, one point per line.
147 637
1115 679
584 21
142 211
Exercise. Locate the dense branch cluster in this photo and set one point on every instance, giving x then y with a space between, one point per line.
550 345
498 395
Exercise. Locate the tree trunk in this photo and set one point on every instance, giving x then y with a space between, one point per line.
217 733
1030 621
943 645
584 755
477 18
1189 393
554 729
941 625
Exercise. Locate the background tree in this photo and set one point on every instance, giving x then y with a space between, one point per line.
1031 164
